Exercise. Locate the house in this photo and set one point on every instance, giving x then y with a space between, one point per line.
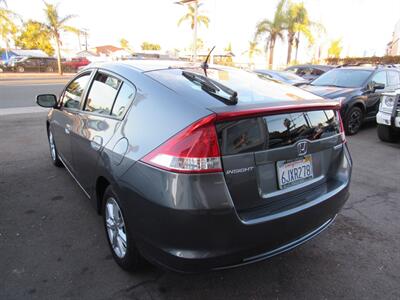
106 50
6 55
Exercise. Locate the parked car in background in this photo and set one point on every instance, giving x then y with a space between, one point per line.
359 88
73 64
33 64
197 168
309 72
388 117
283 76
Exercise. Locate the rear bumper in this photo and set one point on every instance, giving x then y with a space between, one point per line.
241 244
190 224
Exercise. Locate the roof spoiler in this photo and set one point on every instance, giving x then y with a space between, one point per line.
244 113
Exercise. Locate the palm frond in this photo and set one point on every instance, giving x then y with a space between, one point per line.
184 18
66 19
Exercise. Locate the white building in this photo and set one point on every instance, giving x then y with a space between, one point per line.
393 47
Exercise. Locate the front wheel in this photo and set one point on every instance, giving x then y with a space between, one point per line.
20 69
386 134
353 120
53 151
121 243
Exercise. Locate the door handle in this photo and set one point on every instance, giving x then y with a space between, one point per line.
96 143
67 129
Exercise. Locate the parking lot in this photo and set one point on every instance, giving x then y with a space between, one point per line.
53 245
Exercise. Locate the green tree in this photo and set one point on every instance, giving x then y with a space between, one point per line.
190 16
297 22
124 43
150 46
335 49
252 50
34 35
55 24
7 24
272 29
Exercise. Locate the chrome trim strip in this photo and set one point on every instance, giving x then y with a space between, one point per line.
72 175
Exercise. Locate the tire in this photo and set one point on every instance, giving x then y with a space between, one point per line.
53 151
386 134
118 233
353 121
20 69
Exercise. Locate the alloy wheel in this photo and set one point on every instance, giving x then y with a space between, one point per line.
116 229
354 122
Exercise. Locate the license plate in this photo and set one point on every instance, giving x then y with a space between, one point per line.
294 171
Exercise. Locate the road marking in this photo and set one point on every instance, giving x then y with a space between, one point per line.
22 110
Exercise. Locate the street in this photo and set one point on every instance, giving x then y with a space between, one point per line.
53 244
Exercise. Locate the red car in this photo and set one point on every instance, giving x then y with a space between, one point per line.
74 63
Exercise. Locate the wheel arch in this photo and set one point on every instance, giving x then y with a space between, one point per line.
356 102
101 185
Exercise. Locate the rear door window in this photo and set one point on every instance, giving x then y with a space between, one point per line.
102 94
73 93
123 101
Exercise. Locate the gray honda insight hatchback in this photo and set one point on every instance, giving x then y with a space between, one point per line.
197 167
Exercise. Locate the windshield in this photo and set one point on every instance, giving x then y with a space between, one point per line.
348 78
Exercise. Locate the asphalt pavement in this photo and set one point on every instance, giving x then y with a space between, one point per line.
53 245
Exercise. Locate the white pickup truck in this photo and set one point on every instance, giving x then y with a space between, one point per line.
388 117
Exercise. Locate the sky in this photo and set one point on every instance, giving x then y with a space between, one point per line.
364 26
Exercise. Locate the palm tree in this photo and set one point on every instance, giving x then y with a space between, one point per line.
252 50
55 24
190 16
314 29
297 22
272 29
195 19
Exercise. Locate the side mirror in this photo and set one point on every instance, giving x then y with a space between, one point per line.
46 100
372 86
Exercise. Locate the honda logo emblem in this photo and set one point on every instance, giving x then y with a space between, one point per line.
302 148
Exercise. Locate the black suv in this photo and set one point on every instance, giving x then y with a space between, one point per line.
34 64
360 89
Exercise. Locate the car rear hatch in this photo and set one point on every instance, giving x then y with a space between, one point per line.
280 157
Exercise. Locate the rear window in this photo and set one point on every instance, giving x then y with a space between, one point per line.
270 132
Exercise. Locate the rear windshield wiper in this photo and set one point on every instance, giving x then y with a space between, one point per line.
213 88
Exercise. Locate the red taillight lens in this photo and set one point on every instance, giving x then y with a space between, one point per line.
193 150
339 117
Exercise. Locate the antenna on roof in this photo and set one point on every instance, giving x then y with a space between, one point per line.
204 65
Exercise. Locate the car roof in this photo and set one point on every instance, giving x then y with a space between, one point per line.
322 67
146 65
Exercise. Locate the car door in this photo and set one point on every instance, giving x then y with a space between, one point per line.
64 118
372 103
97 122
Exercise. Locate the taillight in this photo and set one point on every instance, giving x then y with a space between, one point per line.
342 133
193 150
